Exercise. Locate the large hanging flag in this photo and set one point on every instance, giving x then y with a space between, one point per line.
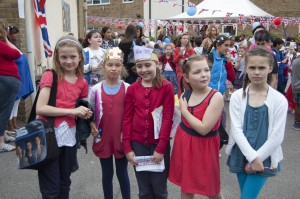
40 15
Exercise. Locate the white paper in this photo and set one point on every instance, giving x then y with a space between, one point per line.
146 163
21 9
157 119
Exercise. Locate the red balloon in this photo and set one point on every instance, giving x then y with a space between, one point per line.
277 21
120 26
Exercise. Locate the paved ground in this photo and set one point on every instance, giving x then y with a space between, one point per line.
86 183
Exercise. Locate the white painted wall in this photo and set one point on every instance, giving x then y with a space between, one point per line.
55 30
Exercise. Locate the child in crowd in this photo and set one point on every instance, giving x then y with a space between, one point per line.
182 51
168 67
258 116
148 93
295 82
108 99
240 68
94 56
195 157
198 48
68 61
221 70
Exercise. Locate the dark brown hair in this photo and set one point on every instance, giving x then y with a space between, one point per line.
186 67
257 51
130 33
85 42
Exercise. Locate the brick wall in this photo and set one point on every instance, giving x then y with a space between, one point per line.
117 9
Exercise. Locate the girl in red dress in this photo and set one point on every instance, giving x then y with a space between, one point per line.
108 98
182 51
195 157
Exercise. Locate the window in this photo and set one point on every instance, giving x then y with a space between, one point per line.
229 30
128 1
95 2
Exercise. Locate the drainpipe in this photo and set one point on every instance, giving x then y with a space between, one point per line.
29 28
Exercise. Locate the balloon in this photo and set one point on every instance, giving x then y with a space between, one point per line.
277 21
167 40
191 11
141 24
120 26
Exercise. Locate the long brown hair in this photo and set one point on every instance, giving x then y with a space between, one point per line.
257 51
178 43
130 34
68 41
3 29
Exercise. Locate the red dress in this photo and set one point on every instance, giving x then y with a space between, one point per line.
195 160
111 124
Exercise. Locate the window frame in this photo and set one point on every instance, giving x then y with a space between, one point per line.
132 1
100 3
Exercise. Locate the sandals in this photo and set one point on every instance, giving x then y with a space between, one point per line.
7 148
9 139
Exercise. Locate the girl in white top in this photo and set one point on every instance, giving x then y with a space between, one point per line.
258 117
94 56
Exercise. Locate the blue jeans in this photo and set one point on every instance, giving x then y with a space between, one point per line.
108 173
9 88
250 185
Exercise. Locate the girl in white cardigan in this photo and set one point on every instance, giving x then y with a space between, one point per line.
254 146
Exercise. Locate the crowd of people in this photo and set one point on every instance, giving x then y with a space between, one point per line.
126 79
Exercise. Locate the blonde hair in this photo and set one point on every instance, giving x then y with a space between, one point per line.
68 41
209 32
3 29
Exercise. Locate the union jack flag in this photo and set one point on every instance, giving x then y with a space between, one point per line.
40 15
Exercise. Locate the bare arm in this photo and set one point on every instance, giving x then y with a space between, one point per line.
211 116
42 107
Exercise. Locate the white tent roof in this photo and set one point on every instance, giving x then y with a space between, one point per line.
244 7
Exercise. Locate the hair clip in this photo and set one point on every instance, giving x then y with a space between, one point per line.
186 60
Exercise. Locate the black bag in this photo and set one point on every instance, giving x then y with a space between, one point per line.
83 129
36 144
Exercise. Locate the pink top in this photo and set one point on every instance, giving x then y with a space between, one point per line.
111 125
66 96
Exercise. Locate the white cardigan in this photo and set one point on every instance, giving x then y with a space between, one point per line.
96 90
277 113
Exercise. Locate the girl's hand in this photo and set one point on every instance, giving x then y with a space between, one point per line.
95 68
94 130
157 157
248 169
257 165
131 158
82 112
183 105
